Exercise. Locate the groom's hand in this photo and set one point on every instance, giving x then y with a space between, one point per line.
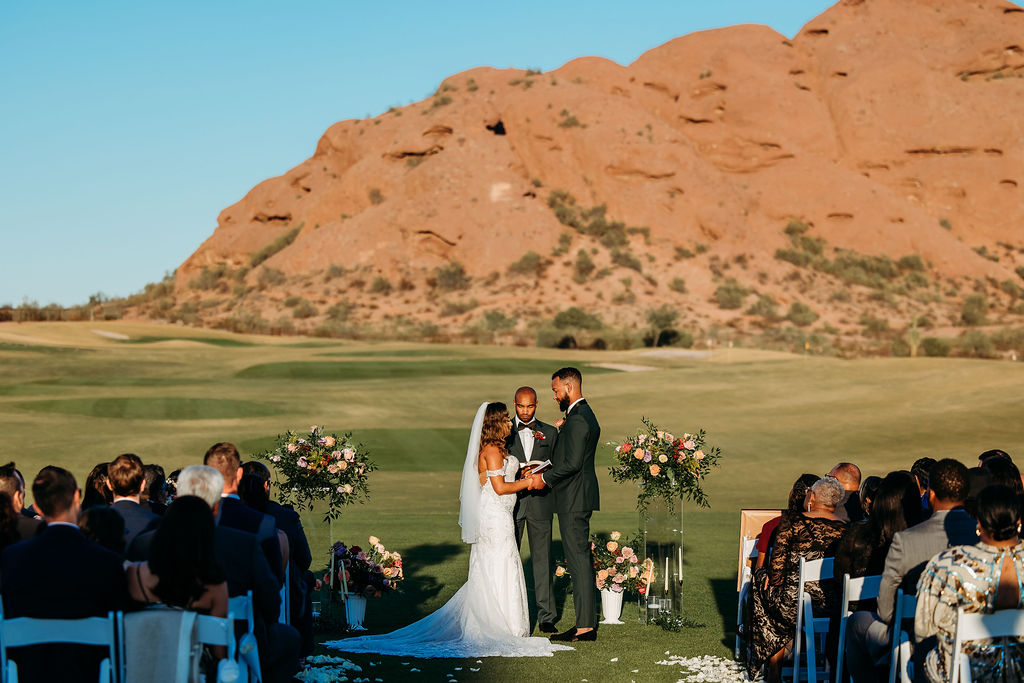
537 482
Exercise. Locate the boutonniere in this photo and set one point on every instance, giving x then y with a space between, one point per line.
539 435
559 422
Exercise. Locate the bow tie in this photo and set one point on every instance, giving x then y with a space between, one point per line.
532 424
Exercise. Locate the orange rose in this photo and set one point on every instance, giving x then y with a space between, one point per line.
655 470
612 546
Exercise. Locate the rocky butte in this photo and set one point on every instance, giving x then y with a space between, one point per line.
829 189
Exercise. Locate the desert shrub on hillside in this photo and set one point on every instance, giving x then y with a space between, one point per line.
801 314
975 344
576 317
683 252
450 308
269 277
451 277
380 285
678 284
874 326
211 277
244 320
531 263
564 242
936 347
496 321
583 266
730 294
626 259
375 196
304 309
974 310
277 245
292 301
765 306
798 258
1009 339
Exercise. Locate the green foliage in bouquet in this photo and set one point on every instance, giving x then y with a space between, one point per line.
665 466
617 567
320 467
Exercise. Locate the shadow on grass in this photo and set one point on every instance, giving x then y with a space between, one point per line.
724 592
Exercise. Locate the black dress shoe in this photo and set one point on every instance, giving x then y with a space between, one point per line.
547 627
568 636
589 636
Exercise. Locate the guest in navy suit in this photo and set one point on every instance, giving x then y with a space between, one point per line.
59 574
125 479
235 514
12 483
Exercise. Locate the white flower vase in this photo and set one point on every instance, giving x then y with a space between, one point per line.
355 611
611 606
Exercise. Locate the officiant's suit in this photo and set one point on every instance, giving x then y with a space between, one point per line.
535 509
574 483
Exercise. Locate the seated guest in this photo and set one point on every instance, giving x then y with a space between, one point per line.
12 484
245 568
978 578
288 520
812 535
126 480
797 499
868 635
978 478
59 574
252 492
994 453
921 470
1003 471
8 522
868 488
103 526
96 491
154 495
235 514
849 508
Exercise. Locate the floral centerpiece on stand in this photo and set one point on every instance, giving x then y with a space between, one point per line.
665 466
354 575
617 567
319 467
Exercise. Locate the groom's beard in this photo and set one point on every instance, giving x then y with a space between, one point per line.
564 403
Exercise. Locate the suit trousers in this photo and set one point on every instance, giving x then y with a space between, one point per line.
575 530
539 531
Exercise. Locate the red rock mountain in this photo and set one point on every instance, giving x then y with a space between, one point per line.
885 128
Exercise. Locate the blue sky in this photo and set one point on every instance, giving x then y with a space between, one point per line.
126 127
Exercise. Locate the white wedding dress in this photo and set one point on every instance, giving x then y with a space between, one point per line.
488 616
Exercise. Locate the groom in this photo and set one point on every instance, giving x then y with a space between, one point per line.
575 483
532 439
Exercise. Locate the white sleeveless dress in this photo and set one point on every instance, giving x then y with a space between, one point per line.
488 616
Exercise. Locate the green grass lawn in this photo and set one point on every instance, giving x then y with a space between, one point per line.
71 397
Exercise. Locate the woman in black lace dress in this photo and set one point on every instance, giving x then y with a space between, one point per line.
811 535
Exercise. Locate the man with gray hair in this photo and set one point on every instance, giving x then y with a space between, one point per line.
246 568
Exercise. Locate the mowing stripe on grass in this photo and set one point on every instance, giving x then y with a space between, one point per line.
357 370
166 408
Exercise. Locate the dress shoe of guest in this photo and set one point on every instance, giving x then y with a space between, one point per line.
547 627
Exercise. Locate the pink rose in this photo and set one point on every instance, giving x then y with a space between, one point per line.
292 448
329 441
350 454
336 455
276 458
302 462
689 445
620 559
698 455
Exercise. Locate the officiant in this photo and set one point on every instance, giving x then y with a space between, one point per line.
535 440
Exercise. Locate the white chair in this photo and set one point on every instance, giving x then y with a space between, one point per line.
861 588
99 631
240 607
217 631
902 643
749 555
1002 623
807 625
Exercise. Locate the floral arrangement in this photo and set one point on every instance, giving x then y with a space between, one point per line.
320 467
665 466
616 565
370 573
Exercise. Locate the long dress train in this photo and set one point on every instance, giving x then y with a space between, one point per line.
488 616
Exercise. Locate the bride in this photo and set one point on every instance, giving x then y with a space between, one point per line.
488 616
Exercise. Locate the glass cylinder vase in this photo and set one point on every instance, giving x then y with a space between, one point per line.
661 527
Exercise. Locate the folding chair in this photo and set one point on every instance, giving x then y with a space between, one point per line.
862 588
970 626
99 631
217 631
902 643
807 625
240 608
749 553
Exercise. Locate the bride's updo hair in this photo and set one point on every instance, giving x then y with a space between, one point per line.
495 421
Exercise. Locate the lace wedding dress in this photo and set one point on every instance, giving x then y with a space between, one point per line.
488 616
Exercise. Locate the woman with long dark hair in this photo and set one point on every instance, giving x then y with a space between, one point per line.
978 578
182 569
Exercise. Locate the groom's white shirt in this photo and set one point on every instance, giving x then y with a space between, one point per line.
526 438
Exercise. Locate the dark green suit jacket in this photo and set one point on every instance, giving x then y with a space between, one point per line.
573 477
535 504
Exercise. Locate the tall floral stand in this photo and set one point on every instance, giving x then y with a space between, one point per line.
661 529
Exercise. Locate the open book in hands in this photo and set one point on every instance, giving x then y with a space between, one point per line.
531 467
